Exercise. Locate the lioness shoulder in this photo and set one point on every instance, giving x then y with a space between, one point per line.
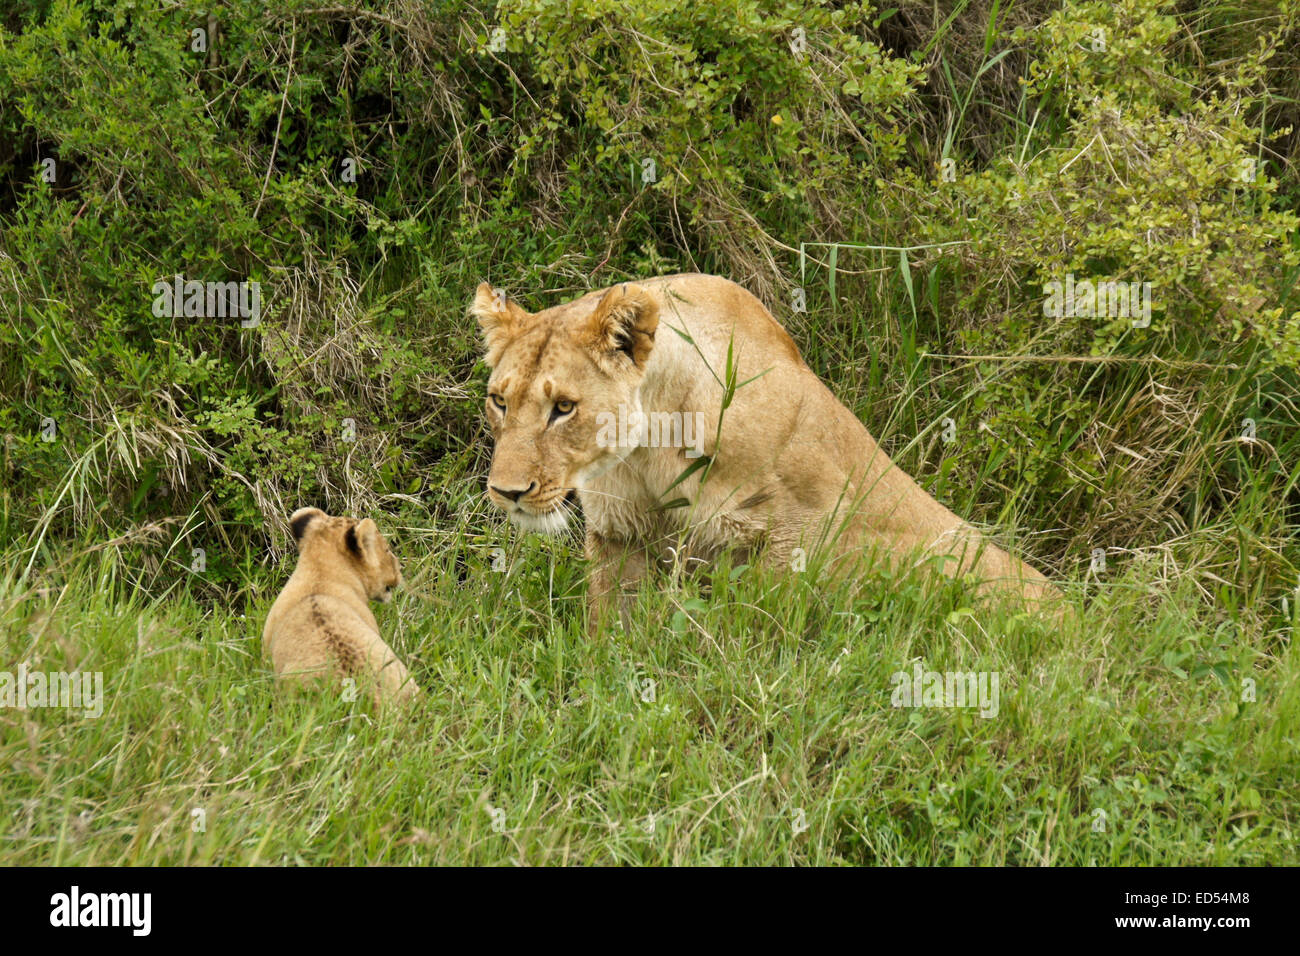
321 626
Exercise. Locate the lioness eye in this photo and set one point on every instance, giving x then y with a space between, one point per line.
498 401
563 406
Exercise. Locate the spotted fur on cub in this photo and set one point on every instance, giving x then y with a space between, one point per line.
321 626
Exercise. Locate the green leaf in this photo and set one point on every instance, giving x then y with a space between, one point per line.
702 462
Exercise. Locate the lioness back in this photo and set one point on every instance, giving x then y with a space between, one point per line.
321 627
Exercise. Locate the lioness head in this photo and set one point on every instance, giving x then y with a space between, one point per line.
347 546
556 377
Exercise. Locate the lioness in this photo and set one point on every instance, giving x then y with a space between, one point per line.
582 395
321 625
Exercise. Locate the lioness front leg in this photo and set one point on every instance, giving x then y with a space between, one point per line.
614 567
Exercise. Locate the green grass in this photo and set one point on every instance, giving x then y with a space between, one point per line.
770 696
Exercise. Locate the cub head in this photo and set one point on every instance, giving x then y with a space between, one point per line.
559 380
347 546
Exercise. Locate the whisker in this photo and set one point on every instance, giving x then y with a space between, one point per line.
603 494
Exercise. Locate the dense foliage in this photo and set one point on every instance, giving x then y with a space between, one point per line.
915 176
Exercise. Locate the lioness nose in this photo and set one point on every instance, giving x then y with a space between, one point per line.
514 494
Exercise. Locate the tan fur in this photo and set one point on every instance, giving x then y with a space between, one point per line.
321 626
794 468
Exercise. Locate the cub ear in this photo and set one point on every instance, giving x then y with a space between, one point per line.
362 540
624 321
300 519
499 319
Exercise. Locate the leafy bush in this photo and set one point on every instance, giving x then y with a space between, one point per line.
1123 429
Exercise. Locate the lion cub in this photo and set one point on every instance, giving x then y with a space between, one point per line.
321 625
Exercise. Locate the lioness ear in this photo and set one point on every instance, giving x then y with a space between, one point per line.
498 318
624 321
299 520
